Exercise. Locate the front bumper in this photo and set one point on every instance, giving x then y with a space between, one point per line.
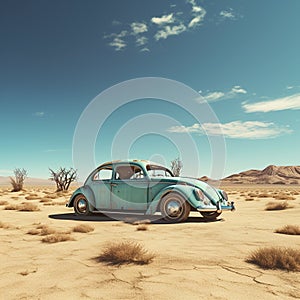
219 208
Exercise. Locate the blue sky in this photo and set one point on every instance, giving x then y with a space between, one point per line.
242 57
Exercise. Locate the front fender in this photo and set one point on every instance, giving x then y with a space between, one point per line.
87 192
187 192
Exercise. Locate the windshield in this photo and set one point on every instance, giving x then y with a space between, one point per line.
158 171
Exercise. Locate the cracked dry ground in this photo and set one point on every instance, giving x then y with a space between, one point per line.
194 260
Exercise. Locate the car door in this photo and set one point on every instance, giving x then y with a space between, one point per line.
129 188
101 186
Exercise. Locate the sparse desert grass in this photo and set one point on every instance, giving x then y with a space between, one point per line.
142 227
283 197
54 203
289 229
57 237
15 197
125 253
277 205
33 232
45 199
32 197
83 228
263 195
27 207
4 225
251 195
249 199
276 258
11 207
3 202
295 193
140 222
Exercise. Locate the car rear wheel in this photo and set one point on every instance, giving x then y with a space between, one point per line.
174 208
210 215
81 206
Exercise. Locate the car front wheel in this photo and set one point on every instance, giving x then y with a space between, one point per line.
210 215
174 208
81 206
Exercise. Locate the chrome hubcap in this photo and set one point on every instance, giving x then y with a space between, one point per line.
82 205
173 208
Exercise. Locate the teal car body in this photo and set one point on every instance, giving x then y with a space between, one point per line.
144 187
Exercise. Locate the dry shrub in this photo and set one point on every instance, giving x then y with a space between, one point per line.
57 237
33 232
15 197
142 227
45 199
52 196
249 199
4 225
54 203
295 193
284 197
263 195
252 195
140 222
276 206
83 228
289 229
276 258
28 207
11 207
3 202
125 253
32 197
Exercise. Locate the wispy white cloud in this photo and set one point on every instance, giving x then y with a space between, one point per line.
169 30
118 41
39 114
138 28
165 19
141 40
235 129
228 14
290 102
218 95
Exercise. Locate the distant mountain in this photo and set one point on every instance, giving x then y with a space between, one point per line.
28 181
270 175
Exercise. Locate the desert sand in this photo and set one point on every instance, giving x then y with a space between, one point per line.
193 260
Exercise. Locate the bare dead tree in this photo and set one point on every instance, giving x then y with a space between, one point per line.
63 178
18 181
176 166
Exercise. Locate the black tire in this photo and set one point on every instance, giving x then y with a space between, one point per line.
81 206
210 215
174 208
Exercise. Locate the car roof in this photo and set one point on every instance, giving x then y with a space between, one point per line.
138 161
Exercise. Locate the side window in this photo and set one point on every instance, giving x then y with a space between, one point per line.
129 172
103 174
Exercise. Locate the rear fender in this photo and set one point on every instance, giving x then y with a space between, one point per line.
87 192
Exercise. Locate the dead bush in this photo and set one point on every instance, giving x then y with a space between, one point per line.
27 207
18 182
33 231
32 197
142 227
263 195
249 199
3 202
276 206
284 197
57 237
289 229
4 225
11 207
83 228
125 253
276 258
45 200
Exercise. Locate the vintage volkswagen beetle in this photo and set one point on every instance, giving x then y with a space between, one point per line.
139 186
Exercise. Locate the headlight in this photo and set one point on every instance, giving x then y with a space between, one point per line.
224 194
199 194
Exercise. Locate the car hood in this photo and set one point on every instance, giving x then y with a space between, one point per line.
206 188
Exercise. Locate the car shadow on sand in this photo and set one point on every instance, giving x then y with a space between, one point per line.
126 218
